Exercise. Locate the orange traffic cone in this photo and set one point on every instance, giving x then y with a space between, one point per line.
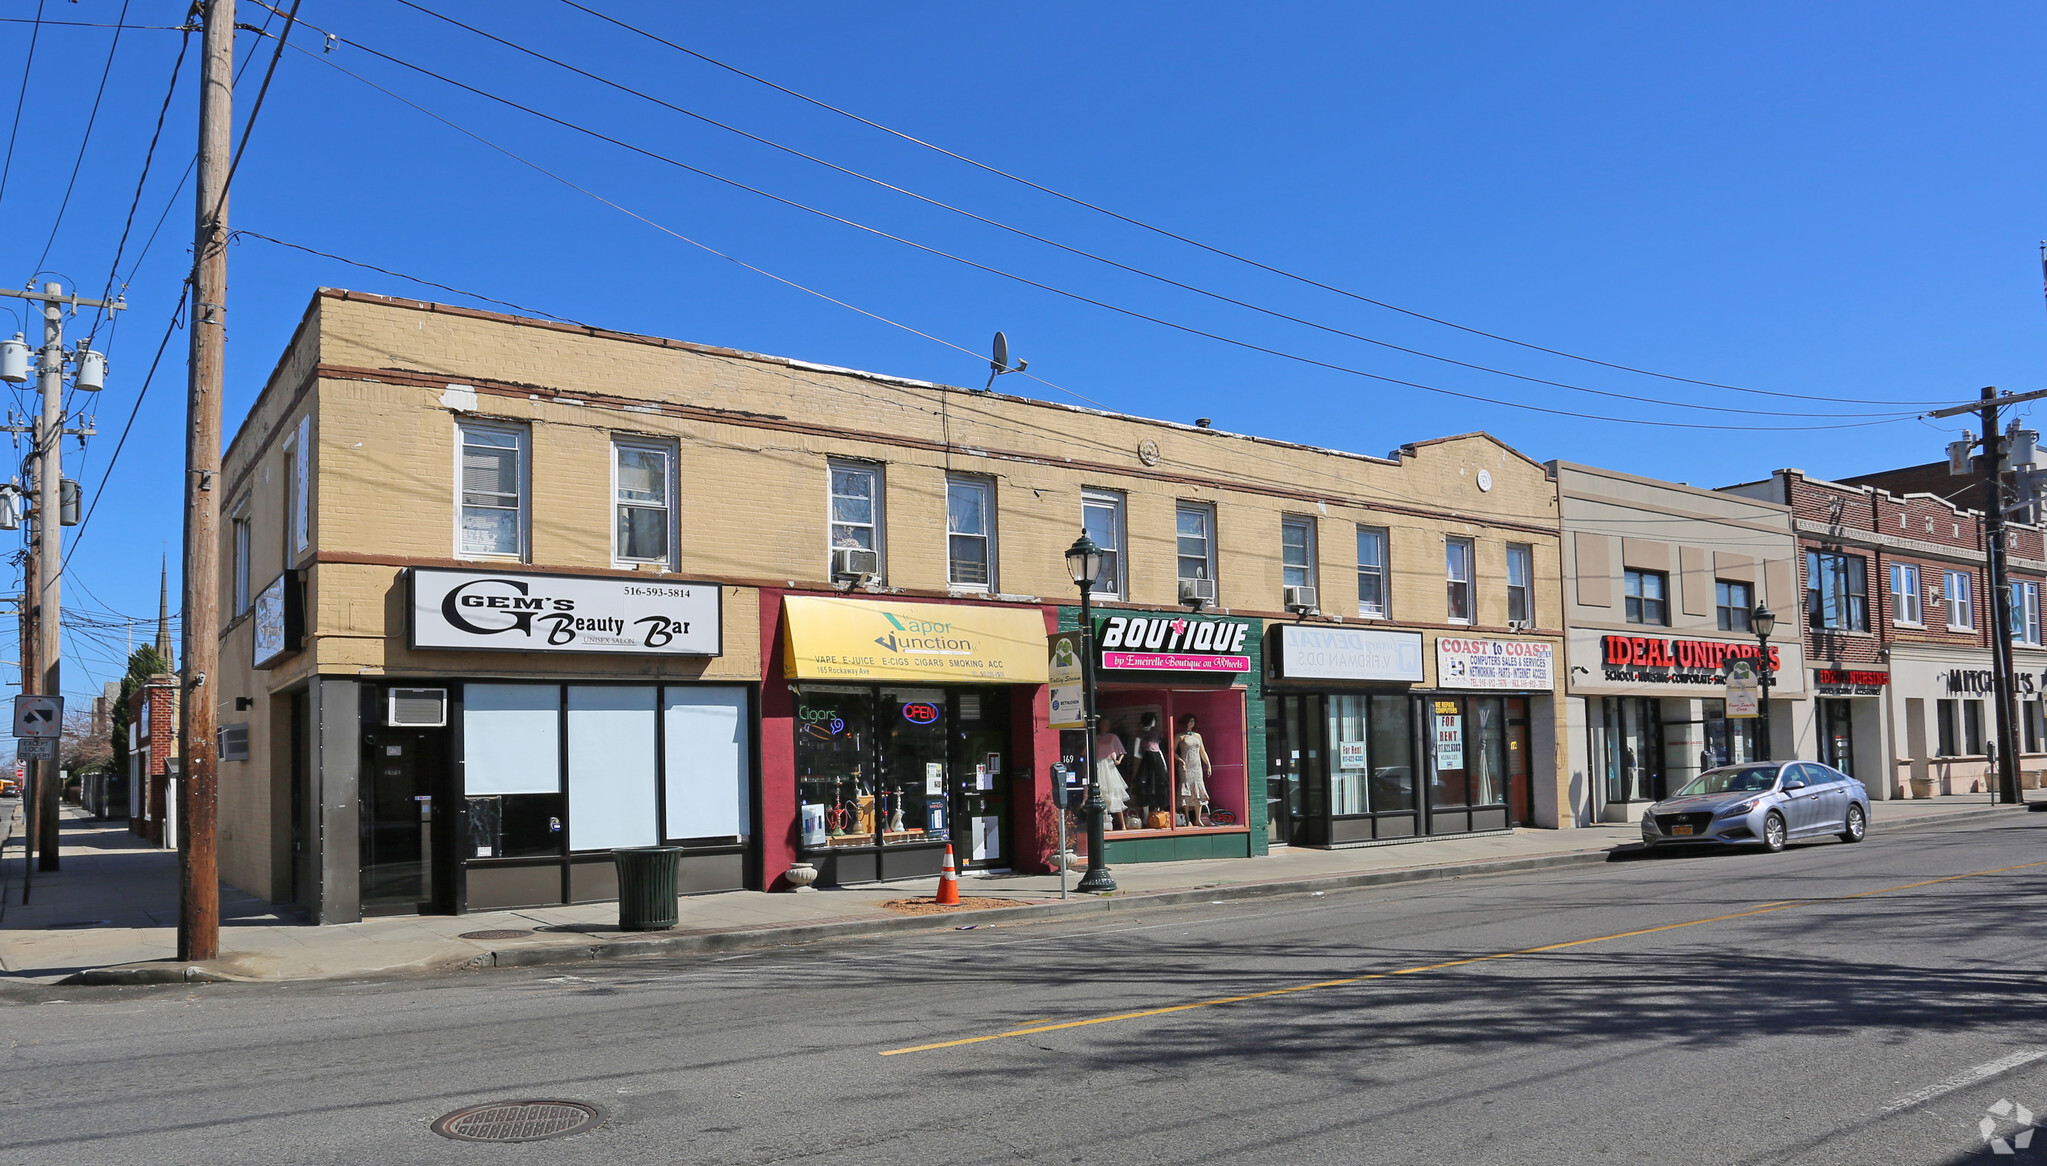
948 881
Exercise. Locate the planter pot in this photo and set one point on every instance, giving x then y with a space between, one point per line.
1922 787
800 876
1071 861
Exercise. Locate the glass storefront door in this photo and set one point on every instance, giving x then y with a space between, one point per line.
1837 733
981 779
1633 748
398 830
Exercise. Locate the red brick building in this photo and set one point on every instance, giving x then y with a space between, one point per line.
152 755
1896 618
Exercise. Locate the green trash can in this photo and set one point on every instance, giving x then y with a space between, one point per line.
647 886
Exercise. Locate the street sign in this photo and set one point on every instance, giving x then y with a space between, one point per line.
36 748
38 716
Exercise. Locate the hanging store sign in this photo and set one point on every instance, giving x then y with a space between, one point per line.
865 639
1173 643
500 611
278 614
1744 690
1063 672
1322 652
1515 664
1661 661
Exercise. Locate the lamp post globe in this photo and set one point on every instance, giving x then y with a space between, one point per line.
1084 563
1763 621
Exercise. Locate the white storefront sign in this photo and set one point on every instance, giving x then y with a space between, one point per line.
502 611
1515 664
1314 652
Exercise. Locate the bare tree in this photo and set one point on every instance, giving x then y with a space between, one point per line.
80 748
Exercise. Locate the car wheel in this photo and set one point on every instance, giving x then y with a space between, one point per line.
1774 832
1857 825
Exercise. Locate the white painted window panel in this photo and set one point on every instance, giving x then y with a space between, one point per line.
709 762
611 767
511 739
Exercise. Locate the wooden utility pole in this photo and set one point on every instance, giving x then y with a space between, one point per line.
199 887
29 687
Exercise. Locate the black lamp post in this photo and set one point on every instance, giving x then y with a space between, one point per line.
1764 622
1084 563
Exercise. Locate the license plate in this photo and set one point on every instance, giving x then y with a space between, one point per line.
1680 830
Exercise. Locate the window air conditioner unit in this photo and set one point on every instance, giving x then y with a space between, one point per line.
1197 591
234 742
1520 625
417 708
1300 598
854 563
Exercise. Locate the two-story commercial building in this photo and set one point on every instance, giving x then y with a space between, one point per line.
504 594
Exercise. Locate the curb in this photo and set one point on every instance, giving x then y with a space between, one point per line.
690 943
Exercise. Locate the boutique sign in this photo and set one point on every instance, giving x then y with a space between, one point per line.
1173 643
501 611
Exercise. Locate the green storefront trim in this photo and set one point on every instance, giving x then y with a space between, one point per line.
1170 848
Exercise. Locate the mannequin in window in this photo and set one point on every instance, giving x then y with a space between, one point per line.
1153 783
1109 754
1191 753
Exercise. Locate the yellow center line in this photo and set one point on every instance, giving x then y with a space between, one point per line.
1763 909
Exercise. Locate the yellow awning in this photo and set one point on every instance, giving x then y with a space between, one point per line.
944 643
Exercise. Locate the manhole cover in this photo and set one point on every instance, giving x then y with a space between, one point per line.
518 1121
502 933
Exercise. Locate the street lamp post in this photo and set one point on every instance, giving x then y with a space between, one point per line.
1084 563
1764 622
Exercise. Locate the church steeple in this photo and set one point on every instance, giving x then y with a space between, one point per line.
163 612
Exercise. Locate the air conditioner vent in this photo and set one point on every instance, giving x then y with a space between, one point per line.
1197 590
418 708
234 742
854 563
1300 598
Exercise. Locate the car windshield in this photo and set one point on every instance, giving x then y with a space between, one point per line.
1733 779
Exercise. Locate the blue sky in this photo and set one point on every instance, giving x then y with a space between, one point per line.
1829 200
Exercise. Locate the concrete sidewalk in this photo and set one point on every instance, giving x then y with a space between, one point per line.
110 915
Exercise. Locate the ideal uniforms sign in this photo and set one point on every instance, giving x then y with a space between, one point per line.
500 611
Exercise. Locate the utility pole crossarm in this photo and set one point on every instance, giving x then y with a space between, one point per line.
76 301
1999 402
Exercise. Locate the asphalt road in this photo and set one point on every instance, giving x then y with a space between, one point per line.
1831 1004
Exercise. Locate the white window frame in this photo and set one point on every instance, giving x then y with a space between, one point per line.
877 475
1745 609
1960 596
523 434
986 488
1382 571
1524 553
1907 608
302 489
243 544
2025 614
1207 512
1452 561
619 444
1306 526
1110 583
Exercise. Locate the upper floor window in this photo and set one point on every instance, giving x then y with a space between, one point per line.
1297 552
1457 575
856 519
1959 588
1521 584
969 526
1372 572
1732 603
643 477
1648 595
493 476
298 485
1905 606
1101 515
1836 594
241 565
2025 613
1196 558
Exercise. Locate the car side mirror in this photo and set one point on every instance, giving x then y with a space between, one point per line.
1793 784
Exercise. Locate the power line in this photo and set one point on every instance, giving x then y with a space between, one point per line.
99 492
21 101
1210 248
148 156
90 119
243 232
1077 251
1125 311
263 90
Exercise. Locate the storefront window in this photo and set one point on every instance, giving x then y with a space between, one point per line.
1371 750
904 766
834 767
1174 775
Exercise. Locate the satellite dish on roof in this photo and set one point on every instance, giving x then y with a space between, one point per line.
998 362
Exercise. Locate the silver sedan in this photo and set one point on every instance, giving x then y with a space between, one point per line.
1767 803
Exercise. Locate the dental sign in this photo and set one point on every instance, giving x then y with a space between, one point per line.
1173 643
500 611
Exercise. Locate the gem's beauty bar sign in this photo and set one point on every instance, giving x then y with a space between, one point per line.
500 611
1173 643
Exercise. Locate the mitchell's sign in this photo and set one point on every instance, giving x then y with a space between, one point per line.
1172 643
500 611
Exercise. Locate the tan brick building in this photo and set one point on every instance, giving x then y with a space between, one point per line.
503 594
